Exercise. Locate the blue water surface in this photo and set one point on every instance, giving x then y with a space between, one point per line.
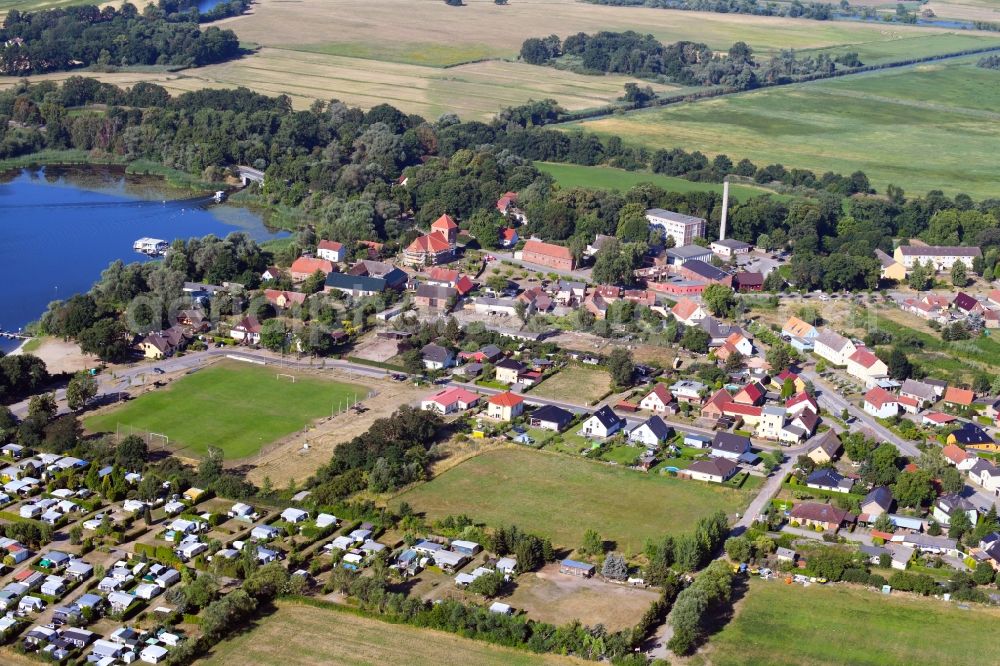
59 228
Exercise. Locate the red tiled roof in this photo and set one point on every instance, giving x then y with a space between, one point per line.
333 246
824 513
464 285
431 243
440 274
444 223
508 234
294 296
310 265
548 249
661 392
801 396
506 399
454 394
864 358
939 418
955 454
959 396
735 408
908 401
878 397
684 308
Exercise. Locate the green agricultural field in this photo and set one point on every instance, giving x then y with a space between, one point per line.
562 496
923 128
778 625
607 178
289 636
235 407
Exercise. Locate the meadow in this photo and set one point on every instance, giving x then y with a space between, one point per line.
575 383
289 636
925 127
791 625
562 496
237 408
607 178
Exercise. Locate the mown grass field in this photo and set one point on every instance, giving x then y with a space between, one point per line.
561 496
607 178
310 636
575 383
926 127
235 407
791 625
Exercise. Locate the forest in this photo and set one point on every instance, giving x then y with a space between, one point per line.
87 35
683 63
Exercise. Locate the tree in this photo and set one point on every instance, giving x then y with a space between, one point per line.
934 529
779 356
738 548
81 388
983 575
719 298
914 489
489 585
42 407
920 277
108 339
787 388
131 453
959 525
951 480
592 543
695 339
959 274
880 468
633 227
621 367
899 364
734 362
521 310
314 283
485 225
884 524
615 567
412 361
274 334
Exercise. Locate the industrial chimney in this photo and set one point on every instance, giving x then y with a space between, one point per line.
725 209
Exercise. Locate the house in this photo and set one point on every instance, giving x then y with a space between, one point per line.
53 586
826 516
778 381
469 548
923 394
751 394
750 415
506 307
546 254
508 237
247 331
304 267
120 601
967 304
153 654
437 247
284 299
729 247
455 399
833 347
433 297
959 457
677 256
713 470
147 590
505 406
729 445
688 312
652 432
958 397
936 419
801 402
331 251
602 423
449 561
688 391
772 420
740 342
508 370
985 474
391 277
890 268
659 400
550 417
242 511
875 503
826 449
15 451
866 366
574 568
946 507
938 257
271 273
973 437
929 544
744 281
79 570
30 604
796 328
830 480
700 271
436 357
264 533
880 403
682 228
294 516
164 343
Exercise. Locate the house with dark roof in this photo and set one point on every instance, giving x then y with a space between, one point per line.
602 423
508 370
967 304
437 357
826 516
695 269
831 480
713 470
355 285
676 256
730 445
748 281
652 432
875 503
971 436
827 448
433 297
550 417
947 506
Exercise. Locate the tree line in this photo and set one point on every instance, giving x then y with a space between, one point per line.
65 38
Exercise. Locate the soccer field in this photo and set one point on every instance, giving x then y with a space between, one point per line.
562 496
237 408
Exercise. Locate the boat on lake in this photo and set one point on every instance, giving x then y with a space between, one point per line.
151 247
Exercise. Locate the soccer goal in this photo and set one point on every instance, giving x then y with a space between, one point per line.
290 378
159 437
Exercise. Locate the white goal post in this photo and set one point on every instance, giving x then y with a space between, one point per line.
286 376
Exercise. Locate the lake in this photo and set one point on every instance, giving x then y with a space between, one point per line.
60 227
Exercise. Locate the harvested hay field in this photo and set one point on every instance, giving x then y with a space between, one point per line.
575 383
289 636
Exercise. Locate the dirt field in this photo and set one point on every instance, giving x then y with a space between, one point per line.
575 383
286 460
376 349
290 635
62 356
553 597
641 353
